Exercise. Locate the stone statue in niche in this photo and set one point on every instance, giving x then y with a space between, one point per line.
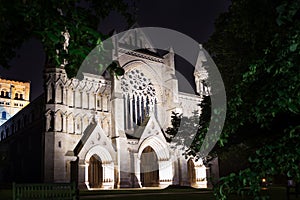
66 36
50 121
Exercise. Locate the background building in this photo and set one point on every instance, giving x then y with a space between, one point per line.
14 96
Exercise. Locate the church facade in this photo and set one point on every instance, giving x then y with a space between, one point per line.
106 132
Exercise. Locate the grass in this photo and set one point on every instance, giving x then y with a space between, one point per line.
276 193
150 194
5 194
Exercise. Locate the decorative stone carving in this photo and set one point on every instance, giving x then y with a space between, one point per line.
66 35
136 83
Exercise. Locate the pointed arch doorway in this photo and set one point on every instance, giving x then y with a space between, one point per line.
149 168
95 172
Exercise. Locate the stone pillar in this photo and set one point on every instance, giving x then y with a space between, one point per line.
124 167
108 103
130 114
95 101
86 174
165 173
135 110
49 157
74 98
184 179
125 113
83 174
140 110
87 100
175 171
64 123
137 171
108 175
201 179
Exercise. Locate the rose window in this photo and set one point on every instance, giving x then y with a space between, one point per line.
135 82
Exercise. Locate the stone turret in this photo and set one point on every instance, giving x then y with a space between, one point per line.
201 74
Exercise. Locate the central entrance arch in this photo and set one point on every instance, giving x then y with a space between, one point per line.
95 172
149 168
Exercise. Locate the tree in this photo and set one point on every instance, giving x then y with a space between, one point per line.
189 132
48 20
256 47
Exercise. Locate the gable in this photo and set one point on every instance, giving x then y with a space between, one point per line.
93 136
136 38
152 129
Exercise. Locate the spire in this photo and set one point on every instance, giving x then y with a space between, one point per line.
171 50
200 59
115 41
169 60
200 73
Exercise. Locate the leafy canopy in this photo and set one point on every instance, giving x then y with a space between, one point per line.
47 19
256 46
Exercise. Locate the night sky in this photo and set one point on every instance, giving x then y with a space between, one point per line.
194 18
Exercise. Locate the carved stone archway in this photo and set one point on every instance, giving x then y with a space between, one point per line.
149 168
95 172
161 151
99 168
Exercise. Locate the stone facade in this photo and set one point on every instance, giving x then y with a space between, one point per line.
108 132
14 96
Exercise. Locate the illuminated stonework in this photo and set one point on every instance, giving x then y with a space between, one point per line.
106 132
136 83
139 96
14 96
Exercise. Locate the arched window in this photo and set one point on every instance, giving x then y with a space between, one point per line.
59 94
70 102
7 94
3 115
16 96
21 97
140 93
2 93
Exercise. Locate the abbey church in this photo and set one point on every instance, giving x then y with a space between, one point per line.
104 131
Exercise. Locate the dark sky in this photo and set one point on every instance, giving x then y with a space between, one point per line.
194 18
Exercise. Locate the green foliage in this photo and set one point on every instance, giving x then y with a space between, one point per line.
280 157
47 19
114 68
189 132
266 83
239 184
256 47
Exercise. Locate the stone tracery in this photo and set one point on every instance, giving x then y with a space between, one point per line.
139 97
135 82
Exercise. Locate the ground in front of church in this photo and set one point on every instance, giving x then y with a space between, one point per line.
276 193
